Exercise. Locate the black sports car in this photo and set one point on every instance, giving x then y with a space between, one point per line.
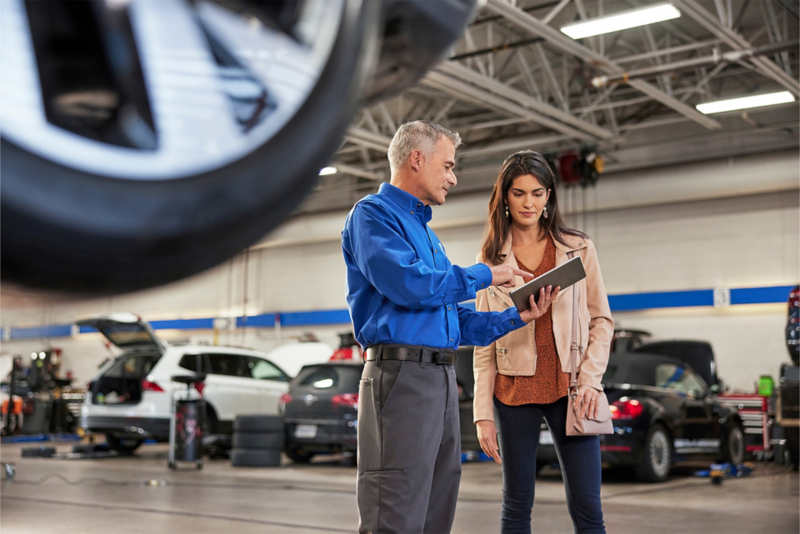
662 412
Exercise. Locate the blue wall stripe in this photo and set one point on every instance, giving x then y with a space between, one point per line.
34 332
310 318
667 299
760 295
184 324
619 303
266 320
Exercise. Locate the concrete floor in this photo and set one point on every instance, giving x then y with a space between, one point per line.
114 497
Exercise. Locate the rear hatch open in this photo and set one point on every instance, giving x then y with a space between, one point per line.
122 381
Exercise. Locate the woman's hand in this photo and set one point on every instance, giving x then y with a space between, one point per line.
587 401
487 435
546 297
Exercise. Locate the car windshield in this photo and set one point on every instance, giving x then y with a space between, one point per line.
338 377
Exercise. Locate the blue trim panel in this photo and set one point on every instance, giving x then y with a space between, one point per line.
667 299
35 332
760 295
266 320
310 318
183 324
618 303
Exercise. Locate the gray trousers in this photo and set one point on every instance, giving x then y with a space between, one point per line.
409 448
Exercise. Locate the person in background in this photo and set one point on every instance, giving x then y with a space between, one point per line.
403 296
523 378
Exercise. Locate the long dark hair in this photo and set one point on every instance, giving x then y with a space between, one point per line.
515 165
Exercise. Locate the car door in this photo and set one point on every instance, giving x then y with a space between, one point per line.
271 382
697 430
230 386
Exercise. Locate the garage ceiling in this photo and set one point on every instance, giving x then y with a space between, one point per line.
514 82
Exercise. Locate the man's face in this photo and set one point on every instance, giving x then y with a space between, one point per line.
436 173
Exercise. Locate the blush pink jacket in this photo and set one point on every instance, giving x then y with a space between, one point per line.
515 354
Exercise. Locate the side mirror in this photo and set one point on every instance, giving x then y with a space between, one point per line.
715 389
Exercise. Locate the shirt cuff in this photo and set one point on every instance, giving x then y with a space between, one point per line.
511 319
482 275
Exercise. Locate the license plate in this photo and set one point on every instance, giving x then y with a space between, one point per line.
545 438
305 431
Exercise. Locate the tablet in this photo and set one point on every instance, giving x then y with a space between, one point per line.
563 276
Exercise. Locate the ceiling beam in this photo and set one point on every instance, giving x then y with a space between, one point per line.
483 98
352 170
362 137
535 26
470 76
737 42
513 145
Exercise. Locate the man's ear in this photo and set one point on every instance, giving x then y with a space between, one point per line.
415 160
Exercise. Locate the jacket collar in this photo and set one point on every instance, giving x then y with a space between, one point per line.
574 243
407 202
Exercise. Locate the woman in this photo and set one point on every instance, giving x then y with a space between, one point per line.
524 376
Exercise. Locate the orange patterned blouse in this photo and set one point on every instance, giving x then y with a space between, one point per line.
549 383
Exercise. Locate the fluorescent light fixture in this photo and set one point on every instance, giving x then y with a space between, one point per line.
622 21
746 102
328 170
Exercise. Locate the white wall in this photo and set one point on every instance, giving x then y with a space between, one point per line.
730 223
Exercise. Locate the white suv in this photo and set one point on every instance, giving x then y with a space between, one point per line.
130 398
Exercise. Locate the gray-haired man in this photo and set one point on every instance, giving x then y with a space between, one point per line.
403 295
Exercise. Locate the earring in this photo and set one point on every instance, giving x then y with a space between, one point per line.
507 214
544 212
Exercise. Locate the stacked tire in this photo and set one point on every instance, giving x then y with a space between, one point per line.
257 441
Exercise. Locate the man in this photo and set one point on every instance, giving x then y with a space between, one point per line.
403 295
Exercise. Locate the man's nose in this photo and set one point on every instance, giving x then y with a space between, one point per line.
452 179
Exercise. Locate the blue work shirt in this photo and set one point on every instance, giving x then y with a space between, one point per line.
401 288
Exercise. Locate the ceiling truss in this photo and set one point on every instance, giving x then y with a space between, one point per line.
514 81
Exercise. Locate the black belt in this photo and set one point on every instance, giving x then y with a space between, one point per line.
409 353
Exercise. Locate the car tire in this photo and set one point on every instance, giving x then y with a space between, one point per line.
258 423
123 445
298 454
657 458
255 458
793 445
258 440
540 466
210 421
733 449
84 231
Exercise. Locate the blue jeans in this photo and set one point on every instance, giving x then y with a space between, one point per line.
518 432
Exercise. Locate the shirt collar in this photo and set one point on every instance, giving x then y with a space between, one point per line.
407 202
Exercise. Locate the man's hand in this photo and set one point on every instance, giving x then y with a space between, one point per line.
503 275
546 297
487 435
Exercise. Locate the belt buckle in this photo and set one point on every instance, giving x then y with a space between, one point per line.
438 360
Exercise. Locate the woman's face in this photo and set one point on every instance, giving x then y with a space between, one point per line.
526 200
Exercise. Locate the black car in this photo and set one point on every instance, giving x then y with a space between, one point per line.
793 326
662 412
699 355
321 408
